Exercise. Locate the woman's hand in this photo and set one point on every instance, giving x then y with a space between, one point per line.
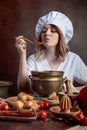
21 45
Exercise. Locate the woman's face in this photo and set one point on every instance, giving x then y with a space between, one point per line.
49 35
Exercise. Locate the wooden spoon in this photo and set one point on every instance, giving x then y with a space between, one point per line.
32 42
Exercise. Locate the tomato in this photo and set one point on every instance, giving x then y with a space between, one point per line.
42 114
80 116
46 105
82 96
41 104
5 106
84 121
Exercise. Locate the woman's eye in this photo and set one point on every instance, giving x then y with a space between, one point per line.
44 31
53 30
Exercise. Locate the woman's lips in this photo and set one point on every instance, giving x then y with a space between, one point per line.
46 39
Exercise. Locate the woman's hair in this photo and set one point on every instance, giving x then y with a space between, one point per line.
61 48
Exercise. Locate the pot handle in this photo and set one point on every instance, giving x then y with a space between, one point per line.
67 85
64 79
62 87
30 76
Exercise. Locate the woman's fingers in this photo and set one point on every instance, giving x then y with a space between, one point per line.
20 44
19 37
20 41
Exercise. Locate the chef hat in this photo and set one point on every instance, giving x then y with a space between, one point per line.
58 19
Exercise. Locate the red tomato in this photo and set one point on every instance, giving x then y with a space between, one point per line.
42 114
5 106
41 104
82 96
46 105
80 116
84 121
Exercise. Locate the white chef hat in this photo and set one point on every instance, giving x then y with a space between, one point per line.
58 19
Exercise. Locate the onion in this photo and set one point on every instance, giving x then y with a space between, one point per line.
27 104
17 105
22 96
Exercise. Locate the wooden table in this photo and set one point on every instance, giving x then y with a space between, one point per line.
33 125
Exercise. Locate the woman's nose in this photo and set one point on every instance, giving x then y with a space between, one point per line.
48 32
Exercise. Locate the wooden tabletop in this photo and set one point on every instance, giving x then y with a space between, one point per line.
37 124
34 125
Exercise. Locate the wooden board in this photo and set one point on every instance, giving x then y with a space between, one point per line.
10 100
12 118
57 114
15 116
52 102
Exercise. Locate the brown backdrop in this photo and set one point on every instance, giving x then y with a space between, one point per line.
18 17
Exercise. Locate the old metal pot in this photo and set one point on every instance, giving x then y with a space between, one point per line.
4 85
46 82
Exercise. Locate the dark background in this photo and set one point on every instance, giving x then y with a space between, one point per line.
19 17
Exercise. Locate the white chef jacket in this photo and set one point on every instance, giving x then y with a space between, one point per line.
73 67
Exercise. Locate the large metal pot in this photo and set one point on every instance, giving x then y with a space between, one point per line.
46 82
4 86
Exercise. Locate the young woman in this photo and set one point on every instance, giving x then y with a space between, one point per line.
54 30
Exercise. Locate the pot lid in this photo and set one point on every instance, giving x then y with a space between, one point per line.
5 83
